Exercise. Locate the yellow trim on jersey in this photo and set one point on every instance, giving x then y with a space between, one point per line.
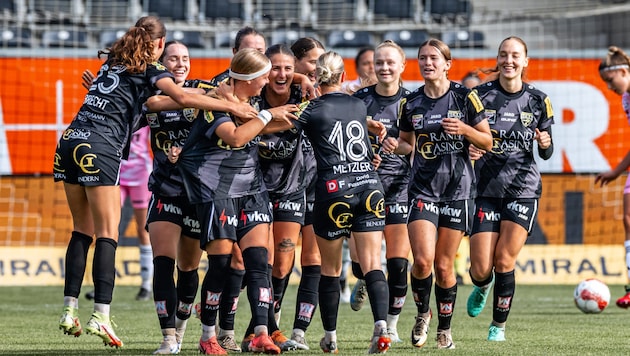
548 107
474 99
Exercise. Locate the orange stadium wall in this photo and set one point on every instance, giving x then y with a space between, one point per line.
579 231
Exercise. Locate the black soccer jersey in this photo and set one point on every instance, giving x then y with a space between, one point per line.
335 123
441 170
169 128
386 110
281 155
220 78
113 105
213 170
509 170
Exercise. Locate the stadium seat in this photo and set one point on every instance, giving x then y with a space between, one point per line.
463 39
108 37
16 37
289 36
167 9
407 38
222 9
192 39
349 39
72 38
401 9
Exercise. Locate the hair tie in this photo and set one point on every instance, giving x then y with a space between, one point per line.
251 76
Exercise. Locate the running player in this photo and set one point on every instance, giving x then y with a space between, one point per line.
615 71
438 122
221 171
508 181
88 158
364 63
383 101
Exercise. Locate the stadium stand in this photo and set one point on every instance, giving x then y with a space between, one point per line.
108 37
463 39
192 39
349 39
72 38
167 9
407 38
14 36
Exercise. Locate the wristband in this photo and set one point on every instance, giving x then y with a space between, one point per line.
265 116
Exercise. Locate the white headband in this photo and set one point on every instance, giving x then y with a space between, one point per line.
251 76
618 66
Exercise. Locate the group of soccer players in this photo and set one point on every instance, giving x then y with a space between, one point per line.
234 159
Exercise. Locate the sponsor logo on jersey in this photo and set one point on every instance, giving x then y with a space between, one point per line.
80 134
489 216
207 115
527 118
340 214
475 101
375 203
332 186
230 220
86 161
454 114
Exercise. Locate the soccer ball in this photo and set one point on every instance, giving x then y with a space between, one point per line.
591 296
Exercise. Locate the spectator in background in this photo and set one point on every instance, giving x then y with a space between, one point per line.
471 79
615 71
364 62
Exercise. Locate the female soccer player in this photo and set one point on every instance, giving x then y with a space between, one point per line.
88 158
438 122
508 181
364 63
221 172
383 101
348 194
615 71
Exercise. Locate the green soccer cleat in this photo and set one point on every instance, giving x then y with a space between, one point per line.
496 333
100 325
69 321
477 299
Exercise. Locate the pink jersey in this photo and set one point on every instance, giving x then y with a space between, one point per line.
136 169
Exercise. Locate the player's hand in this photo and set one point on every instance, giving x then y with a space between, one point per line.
284 113
87 79
173 154
377 128
376 161
543 138
453 126
226 91
605 178
389 145
475 153
244 111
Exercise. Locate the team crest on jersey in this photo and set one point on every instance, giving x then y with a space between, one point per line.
152 120
491 116
417 121
189 114
527 118
207 115
159 65
454 114
301 107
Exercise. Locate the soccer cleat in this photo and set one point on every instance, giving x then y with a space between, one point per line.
477 299
143 294
228 343
69 321
246 341
624 302
179 336
359 295
393 335
211 347
283 342
169 346
101 326
328 347
380 344
263 343
444 340
420 330
496 333
300 341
